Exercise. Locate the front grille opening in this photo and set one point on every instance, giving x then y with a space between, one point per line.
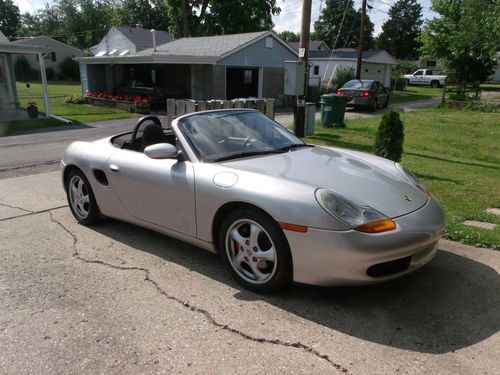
389 268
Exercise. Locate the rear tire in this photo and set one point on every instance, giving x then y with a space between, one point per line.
434 84
386 104
81 198
374 105
255 251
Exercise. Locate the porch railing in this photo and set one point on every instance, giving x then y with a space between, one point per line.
176 107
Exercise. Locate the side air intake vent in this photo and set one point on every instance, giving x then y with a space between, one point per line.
100 176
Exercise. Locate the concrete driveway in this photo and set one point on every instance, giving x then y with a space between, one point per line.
114 298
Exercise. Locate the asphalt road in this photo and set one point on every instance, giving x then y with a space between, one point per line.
42 150
114 298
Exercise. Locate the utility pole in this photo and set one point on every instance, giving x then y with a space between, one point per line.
361 40
304 56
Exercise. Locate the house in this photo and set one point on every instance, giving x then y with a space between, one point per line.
9 103
430 63
57 51
376 65
201 68
314 45
128 40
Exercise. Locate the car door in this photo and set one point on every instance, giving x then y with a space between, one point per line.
382 93
158 191
418 77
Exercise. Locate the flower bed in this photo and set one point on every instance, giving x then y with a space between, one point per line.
129 103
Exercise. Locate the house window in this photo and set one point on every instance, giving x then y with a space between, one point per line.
431 63
269 42
316 70
53 56
247 77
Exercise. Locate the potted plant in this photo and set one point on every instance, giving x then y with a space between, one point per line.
142 105
32 110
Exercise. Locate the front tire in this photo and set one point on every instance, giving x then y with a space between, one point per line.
81 198
255 250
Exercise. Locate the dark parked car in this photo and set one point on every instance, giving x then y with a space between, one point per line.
365 93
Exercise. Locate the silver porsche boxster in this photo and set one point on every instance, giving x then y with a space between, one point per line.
276 209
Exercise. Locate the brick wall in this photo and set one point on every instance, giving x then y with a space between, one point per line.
273 82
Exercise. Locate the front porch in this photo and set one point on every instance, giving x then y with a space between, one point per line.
157 81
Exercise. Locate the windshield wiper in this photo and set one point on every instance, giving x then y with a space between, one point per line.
293 146
245 154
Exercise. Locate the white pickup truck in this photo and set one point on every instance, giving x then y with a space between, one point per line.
424 77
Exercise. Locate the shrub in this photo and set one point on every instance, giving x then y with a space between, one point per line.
390 137
69 70
24 71
77 99
344 74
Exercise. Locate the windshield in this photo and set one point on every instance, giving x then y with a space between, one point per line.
357 84
225 135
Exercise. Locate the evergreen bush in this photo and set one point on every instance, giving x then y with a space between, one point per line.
390 137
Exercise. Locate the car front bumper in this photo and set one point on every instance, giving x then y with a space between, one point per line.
325 257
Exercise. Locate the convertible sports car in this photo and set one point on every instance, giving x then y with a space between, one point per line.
276 209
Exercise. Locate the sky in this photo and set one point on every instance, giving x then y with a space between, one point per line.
289 18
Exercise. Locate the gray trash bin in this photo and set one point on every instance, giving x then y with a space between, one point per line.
310 119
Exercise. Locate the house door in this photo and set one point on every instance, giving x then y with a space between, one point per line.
242 83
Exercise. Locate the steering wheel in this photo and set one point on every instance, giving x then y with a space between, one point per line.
155 120
246 142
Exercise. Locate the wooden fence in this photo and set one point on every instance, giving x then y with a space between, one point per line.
177 107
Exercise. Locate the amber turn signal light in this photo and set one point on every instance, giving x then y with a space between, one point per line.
377 226
293 227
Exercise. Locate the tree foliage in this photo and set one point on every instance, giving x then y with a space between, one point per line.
83 23
209 17
390 137
9 18
401 32
289 36
466 38
329 26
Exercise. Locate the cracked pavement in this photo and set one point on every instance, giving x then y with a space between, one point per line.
115 298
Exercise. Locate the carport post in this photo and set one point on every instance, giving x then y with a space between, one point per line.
44 85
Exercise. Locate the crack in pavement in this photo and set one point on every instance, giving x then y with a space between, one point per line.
15 207
28 212
205 313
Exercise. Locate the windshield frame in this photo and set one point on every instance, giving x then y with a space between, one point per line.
195 154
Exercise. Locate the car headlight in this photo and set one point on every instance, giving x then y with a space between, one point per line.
360 218
411 178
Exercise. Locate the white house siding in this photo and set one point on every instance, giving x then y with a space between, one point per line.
61 50
378 72
114 39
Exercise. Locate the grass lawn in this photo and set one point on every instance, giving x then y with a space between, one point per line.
455 153
78 113
412 93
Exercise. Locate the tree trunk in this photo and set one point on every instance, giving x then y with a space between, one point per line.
185 19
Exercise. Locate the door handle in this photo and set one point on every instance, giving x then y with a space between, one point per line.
114 168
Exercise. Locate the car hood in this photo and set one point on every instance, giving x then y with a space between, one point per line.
348 174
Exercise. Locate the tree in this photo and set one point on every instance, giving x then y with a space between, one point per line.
390 137
466 38
289 36
9 18
141 12
401 32
208 17
330 28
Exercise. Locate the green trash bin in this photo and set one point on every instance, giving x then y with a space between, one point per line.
333 110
